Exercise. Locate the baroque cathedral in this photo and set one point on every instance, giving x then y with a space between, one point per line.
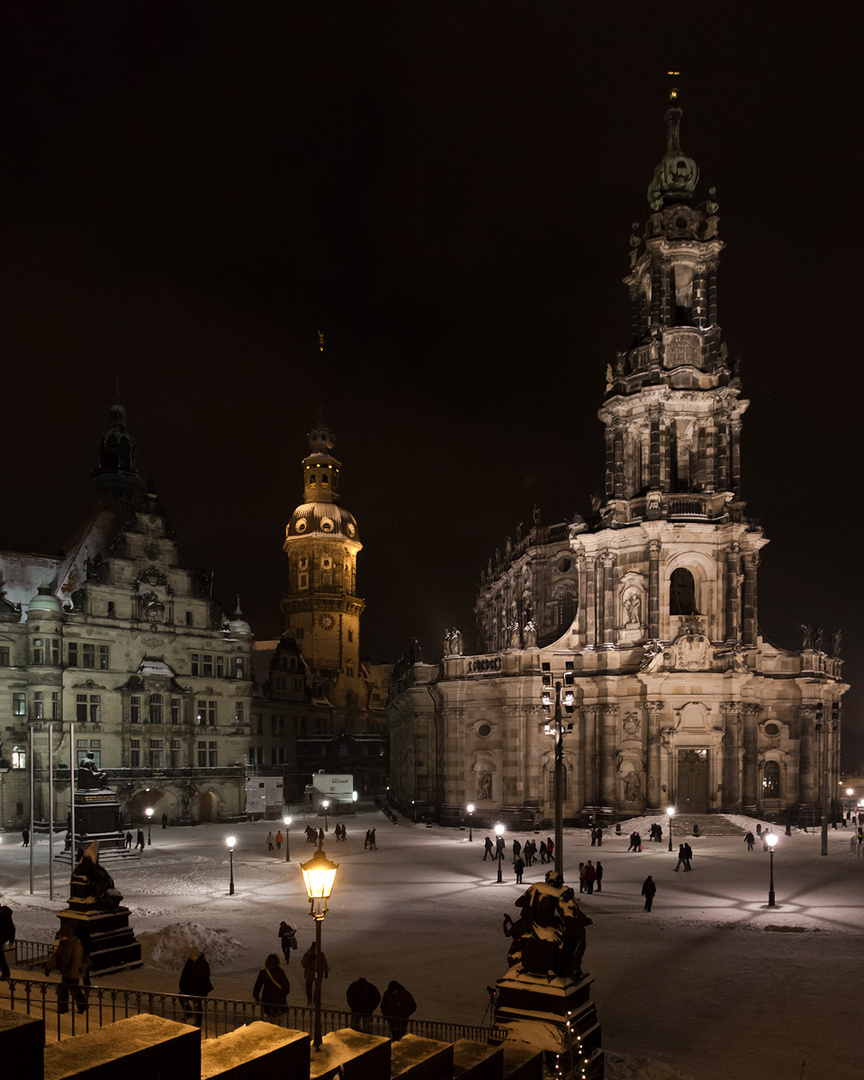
651 606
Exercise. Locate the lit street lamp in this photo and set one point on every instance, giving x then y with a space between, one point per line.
670 813
287 821
325 806
149 813
771 840
319 874
231 841
470 809
499 833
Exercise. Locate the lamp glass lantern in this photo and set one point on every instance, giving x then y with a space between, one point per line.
319 874
670 813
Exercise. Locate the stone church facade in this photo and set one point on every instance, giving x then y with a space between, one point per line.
121 640
652 604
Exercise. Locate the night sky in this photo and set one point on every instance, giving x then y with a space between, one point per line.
191 190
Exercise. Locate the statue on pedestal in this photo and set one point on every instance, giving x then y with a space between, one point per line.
549 937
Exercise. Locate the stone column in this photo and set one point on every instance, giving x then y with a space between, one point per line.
732 620
653 709
590 600
750 620
610 460
654 589
608 598
607 756
712 299
731 756
808 789
750 778
618 444
654 460
735 453
590 756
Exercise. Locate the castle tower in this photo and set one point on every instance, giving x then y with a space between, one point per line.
117 472
322 611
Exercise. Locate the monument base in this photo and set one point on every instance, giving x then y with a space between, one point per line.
107 937
556 1016
97 817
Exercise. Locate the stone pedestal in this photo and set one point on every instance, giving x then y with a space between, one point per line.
97 817
556 1016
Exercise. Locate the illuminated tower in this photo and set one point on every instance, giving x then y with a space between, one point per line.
322 612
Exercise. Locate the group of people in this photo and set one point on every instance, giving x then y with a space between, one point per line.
685 854
526 853
596 837
314 836
635 842
139 840
589 876
277 840
370 842
656 833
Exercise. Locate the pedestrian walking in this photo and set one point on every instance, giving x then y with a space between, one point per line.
269 841
488 850
632 845
272 987
593 838
648 890
195 985
164 821
688 855
373 843
279 840
363 998
599 838
542 851
309 963
590 877
519 867
25 837
749 840
68 958
128 841
397 1005
139 843
682 859
517 849
7 937
598 879
581 877
550 847
288 939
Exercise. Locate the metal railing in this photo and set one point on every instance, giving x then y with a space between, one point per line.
75 1010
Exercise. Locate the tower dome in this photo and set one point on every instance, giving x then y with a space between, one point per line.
677 174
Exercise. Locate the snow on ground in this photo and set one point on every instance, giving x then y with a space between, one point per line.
710 985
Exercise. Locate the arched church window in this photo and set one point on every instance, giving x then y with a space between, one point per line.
682 593
771 780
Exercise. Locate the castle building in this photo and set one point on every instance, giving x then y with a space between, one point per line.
652 605
318 706
122 640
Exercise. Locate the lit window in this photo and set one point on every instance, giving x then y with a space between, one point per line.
19 757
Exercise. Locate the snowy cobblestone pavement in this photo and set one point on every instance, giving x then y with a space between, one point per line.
710 985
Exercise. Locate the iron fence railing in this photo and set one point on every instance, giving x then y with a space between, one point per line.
75 1010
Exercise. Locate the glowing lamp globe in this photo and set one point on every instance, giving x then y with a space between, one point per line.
670 810
319 875
771 839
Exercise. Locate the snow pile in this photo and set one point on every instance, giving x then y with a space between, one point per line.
170 947
624 1067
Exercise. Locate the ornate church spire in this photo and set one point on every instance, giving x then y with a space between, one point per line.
117 472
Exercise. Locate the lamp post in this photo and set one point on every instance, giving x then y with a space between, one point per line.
499 844
319 875
558 695
287 821
325 806
670 813
470 809
149 813
771 840
231 841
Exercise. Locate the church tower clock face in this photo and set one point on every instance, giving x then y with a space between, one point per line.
327 622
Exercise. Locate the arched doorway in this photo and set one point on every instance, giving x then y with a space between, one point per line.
693 781
208 806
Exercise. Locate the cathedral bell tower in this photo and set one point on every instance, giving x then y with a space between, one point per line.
322 612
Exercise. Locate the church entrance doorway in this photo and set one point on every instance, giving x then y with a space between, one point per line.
208 807
693 781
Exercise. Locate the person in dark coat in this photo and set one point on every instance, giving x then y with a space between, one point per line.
488 849
25 837
127 841
363 998
397 1005
308 963
550 847
7 937
542 851
195 985
288 939
682 858
648 890
688 855
598 879
590 877
140 841
749 840
519 867
272 987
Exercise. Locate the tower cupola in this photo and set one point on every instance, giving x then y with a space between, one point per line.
677 174
117 472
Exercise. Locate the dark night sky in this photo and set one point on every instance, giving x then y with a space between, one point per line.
189 191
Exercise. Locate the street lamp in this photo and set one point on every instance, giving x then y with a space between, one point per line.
325 806
554 696
231 841
470 809
771 840
319 874
287 821
499 833
670 813
149 813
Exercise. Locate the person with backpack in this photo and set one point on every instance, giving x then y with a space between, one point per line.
272 987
